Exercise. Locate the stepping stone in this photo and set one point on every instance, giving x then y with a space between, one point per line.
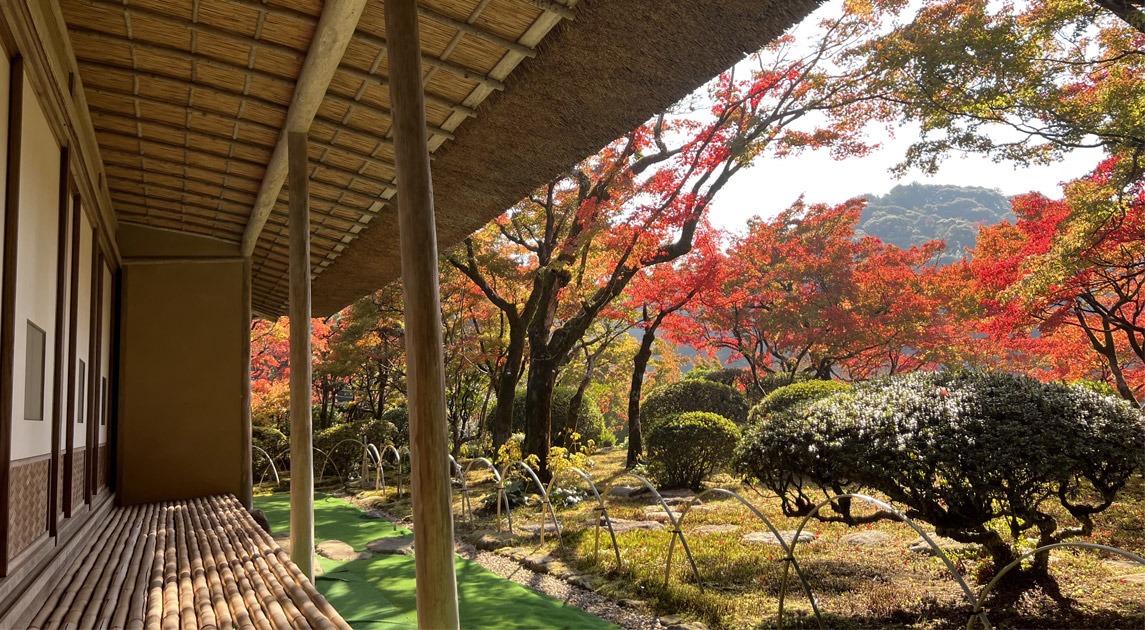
871 538
340 551
533 528
400 545
621 525
626 491
768 538
714 529
920 546
682 501
632 603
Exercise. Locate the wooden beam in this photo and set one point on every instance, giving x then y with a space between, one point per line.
8 293
432 499
301 453
333 34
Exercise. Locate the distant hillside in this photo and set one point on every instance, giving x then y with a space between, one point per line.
916 213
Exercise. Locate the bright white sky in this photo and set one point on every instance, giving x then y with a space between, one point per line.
771 185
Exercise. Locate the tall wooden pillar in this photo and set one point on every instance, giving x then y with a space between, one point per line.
301 455
246 487
425 376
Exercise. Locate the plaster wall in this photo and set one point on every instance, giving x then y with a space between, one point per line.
181 380
36 271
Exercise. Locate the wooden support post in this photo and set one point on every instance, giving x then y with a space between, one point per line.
58 358
8 294
425 376
301 455
246 487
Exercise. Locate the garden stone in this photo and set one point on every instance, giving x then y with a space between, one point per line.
691 625
714 529
339 551
633 603
920 546
537 562
626 491
587 582
486 540
392 545
672 620
260 517
1131 578
621 525
768 538
871 538
283 540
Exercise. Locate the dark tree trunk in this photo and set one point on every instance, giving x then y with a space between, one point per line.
639 366
502 424
539 410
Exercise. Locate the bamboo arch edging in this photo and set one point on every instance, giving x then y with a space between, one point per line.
390 448
270 461
544 499
676 532
788 550
601 507
978 613
331 454
974 603
466 504
376 457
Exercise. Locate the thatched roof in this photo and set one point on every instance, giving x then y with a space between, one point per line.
189 99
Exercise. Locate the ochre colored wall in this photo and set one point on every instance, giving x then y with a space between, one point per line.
182 384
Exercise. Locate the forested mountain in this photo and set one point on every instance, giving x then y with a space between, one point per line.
912 214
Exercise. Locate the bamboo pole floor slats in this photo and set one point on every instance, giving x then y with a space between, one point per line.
199 563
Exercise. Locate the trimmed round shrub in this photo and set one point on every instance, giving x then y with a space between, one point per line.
688 395
590 421
1100 387
772 382
725 376
685 448
793 395
963 451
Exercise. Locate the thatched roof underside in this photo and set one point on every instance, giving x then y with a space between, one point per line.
189 99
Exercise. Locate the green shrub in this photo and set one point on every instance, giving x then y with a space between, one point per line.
692 395
275 443
590 422
963 451
685 448
399 417
1100 387
791 396
724 376
345 459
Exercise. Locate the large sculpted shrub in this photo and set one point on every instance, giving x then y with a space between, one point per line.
986 458
685 448
687 395
794 395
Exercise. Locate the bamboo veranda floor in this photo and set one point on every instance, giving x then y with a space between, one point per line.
201 563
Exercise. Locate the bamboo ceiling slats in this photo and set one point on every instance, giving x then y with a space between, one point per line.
189 99
186 564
